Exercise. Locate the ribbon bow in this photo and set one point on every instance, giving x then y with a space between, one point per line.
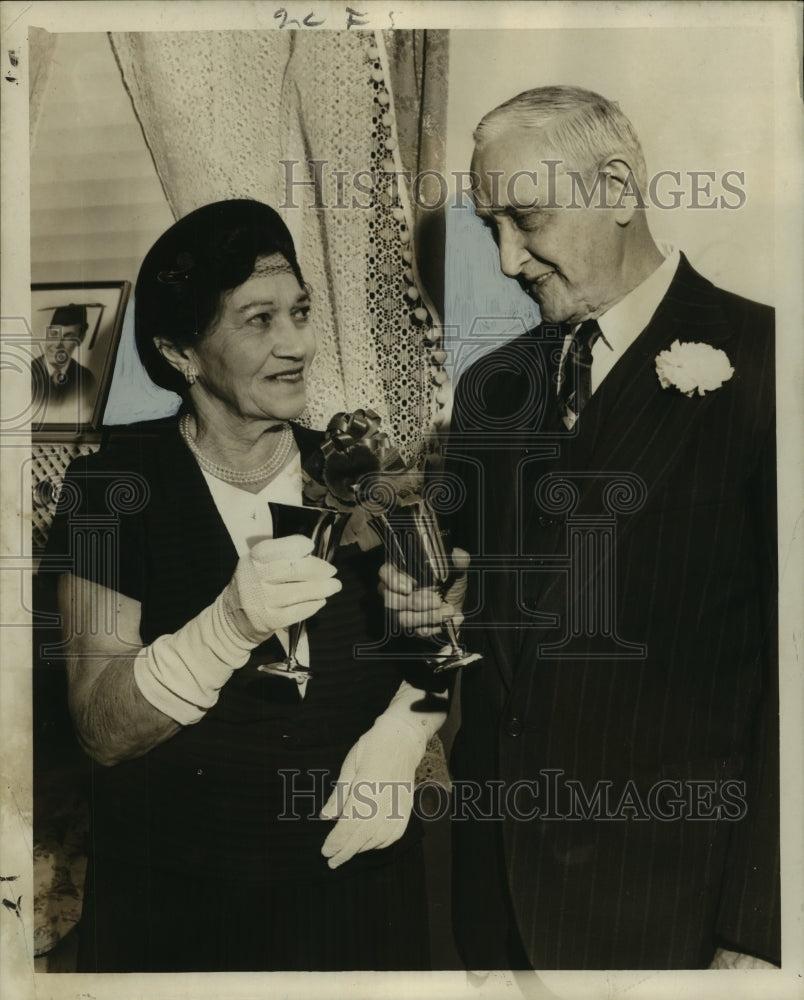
360 430
355 453
353 448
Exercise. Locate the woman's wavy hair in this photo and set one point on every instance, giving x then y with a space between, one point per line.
187 272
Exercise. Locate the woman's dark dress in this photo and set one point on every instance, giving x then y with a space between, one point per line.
201 859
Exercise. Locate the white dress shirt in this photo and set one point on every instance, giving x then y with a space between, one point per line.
625 320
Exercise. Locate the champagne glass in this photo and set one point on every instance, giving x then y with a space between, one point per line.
324 527
414 541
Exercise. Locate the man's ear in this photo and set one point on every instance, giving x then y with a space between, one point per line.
178 357
623 194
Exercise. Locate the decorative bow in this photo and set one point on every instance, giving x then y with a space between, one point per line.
356 455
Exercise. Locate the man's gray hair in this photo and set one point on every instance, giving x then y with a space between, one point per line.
578 125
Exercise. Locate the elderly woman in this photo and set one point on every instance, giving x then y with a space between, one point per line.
219 838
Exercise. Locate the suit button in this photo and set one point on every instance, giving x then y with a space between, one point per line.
514 726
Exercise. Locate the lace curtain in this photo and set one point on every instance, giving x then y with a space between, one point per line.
298 119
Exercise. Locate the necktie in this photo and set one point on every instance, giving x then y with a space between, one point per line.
575 385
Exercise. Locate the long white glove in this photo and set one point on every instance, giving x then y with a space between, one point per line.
278 582
373 796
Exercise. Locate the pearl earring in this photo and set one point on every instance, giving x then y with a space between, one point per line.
190 374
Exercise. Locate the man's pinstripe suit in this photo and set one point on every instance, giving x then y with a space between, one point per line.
669 504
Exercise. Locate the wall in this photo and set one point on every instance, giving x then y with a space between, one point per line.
96 201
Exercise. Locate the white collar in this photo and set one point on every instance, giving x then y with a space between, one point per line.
626 319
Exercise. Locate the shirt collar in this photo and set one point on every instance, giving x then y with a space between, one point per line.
51 369
626 319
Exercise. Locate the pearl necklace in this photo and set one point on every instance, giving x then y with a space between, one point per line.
235 476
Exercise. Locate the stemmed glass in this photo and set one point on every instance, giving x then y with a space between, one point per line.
324 527
414 542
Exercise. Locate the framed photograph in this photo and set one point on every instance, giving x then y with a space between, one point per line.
76 329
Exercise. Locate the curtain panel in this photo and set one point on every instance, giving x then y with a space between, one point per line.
419 66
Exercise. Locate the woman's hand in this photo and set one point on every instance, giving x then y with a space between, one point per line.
421 609
277 583
126 698
373 795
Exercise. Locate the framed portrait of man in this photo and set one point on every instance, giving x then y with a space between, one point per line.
76 328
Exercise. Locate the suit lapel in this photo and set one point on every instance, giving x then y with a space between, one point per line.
632 411
632 425
538 430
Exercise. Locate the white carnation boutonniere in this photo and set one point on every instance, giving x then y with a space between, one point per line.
693 367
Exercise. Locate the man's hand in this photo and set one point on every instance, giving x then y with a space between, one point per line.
421 609
725 959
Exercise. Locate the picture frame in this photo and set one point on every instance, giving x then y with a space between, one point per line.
76 328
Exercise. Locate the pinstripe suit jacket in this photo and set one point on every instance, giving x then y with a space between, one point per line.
624 595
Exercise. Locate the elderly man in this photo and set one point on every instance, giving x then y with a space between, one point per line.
616 767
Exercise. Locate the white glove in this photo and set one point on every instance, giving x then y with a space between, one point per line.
278 582
373 796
